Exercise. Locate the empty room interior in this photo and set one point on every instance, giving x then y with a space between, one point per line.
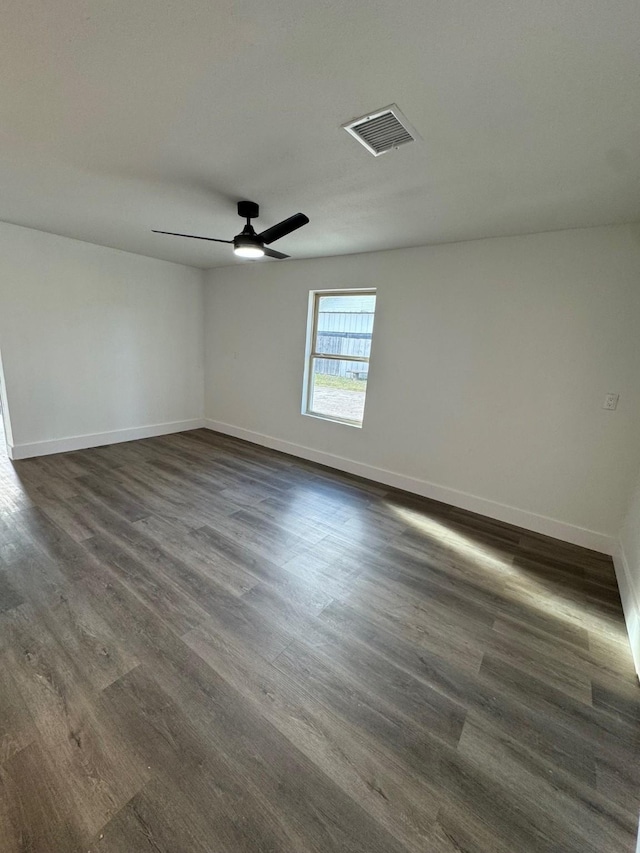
320 443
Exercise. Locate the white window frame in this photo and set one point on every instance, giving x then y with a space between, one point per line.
311 353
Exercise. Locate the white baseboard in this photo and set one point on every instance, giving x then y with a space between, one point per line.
97 439
502 512
630 603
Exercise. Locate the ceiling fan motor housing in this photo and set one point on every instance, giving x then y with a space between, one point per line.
247 239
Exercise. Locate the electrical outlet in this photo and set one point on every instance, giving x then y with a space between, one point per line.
611 402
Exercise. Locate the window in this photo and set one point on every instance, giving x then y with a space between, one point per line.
338 349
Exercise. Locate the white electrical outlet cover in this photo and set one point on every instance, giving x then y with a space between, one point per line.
611 402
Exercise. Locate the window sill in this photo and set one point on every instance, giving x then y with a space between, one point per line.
333 420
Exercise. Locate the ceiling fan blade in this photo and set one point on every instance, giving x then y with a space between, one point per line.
283 228
271 253
193 236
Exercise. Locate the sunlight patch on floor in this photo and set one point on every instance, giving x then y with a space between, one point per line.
449 538
519 584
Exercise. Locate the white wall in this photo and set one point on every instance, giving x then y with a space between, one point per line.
490 363
97 344
627 563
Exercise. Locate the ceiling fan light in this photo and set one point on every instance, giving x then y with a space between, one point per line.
248 251
248 246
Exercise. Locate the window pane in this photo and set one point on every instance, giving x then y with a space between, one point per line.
338 389
345 325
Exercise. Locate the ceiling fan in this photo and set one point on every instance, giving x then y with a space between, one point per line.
248 244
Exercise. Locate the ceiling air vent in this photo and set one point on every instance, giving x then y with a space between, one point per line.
382 130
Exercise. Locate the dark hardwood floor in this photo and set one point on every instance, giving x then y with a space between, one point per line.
208 646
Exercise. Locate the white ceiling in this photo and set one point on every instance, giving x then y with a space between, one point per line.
118 116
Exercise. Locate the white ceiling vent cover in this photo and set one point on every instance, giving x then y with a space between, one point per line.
382 130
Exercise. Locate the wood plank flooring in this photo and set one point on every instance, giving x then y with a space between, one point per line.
209 647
